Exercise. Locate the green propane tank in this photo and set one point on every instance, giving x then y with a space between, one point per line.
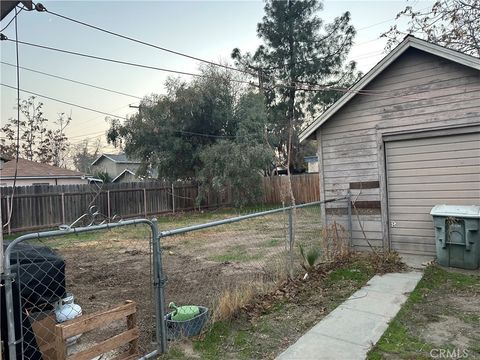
183 313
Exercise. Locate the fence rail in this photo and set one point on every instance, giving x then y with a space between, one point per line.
47 206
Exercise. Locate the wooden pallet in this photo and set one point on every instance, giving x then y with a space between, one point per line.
96 320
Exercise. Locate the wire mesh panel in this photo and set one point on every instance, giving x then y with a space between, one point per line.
220 269
308 236
64 279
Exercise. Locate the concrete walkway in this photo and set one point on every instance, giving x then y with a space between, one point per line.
350 330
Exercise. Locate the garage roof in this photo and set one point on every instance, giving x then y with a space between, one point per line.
409 42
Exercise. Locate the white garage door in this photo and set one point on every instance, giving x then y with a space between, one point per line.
422 173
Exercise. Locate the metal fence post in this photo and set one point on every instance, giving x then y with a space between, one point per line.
159 285
349 206
173 198
290 242
8 281
145 202
108 205
9 215
63 208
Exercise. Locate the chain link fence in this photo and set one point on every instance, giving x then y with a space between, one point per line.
126 288
215 269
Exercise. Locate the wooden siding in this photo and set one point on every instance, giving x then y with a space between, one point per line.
428 160
417 91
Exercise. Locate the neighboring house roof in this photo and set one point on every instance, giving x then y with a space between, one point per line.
122 174
311 159
32 169
116 158
407 43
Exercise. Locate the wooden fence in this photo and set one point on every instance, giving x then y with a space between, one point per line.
47 206
306 188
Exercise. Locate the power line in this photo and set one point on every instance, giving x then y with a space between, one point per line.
120 61
87 135
385 21
41 8
323 88
17 147
73 81
65 102
11 20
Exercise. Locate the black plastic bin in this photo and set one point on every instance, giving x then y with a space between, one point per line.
39 281
192 327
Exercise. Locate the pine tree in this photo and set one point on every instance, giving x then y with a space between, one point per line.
299 50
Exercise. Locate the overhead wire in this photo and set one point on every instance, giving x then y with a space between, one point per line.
385 21
17 147
64 102
309 87
39 7
73 81
11 20
120 61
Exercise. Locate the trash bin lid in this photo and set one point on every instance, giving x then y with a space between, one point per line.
463 211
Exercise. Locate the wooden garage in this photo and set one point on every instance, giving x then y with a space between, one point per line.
404 138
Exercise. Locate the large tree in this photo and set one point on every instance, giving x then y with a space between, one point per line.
85 153
243 159
451 23
179 135
37 141
300 53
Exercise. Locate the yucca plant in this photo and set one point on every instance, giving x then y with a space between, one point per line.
310 258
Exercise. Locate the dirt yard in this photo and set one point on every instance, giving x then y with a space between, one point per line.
105 268
442 316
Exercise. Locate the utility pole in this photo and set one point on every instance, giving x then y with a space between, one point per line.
139 107
260 79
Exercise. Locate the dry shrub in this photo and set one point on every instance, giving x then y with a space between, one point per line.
232 300
335 242
387 261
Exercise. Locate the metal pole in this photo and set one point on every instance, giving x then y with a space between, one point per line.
173 198
241 218
1 250
145 201
349 206
9 218
63 208
108 205
159 284
290 242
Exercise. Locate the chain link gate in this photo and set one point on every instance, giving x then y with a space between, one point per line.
60 288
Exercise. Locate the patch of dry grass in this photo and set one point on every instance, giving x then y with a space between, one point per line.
232 300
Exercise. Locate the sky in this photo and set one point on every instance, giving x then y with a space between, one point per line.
205 29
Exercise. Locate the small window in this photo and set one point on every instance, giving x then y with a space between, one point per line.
40 184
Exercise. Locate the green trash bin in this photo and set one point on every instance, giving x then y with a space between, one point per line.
457 235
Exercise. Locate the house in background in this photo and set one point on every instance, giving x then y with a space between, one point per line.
312 162
408 141
126 176
118 167
34 173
